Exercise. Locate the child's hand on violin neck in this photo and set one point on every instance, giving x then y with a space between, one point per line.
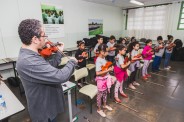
60 46
128 62
110 68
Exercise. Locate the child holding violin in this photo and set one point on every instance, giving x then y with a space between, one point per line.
120 71
159 51
81 55
111 48
103 79
135 64
147 54
96 52
169 48
122 41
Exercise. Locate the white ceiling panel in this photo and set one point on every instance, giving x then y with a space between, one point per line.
127 4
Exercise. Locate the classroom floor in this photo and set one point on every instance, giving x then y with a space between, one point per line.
163 101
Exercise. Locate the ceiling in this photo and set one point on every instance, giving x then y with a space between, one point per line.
126 3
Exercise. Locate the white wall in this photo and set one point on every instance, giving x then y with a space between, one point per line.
76 15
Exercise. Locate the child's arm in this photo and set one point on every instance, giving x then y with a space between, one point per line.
135 58
125 65
121 61
85 55
144 51
95 49
147 51
98 73
77 55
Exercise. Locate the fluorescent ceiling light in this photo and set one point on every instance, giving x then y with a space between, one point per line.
136 2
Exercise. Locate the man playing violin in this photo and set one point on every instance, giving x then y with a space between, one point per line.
40 78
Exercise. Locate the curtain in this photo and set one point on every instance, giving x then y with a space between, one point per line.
149 22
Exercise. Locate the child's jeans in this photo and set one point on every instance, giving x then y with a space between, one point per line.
145 67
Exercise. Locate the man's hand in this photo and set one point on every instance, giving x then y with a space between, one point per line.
73 58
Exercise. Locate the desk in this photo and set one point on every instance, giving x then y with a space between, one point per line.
12 103
67 88
9 61
73 49
70 50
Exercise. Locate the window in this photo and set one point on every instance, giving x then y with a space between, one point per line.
150 18
181 18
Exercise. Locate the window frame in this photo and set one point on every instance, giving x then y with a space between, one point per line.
181 12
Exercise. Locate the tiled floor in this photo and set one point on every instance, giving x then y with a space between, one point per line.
161 102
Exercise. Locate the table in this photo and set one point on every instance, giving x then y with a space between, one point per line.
70 50
9 61
12 103
73 49
67 87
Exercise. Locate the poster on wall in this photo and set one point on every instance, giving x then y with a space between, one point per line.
95 26
53 20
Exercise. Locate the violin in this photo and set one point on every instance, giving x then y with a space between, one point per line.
137 56
47 51
84 54
161 46
171 45
149 51
106 67
126 60
112 49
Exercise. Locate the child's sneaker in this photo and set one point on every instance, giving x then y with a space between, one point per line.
166 68
124 95
169 67
101 113
117 100
136 84
108 107
148 76
132 87
144 78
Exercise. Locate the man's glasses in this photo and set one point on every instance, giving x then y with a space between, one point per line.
45 37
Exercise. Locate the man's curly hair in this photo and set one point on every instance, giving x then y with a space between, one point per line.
28 29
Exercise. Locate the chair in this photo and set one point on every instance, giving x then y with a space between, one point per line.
140 69
128 79
140 51
88 90
64 60
90 67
